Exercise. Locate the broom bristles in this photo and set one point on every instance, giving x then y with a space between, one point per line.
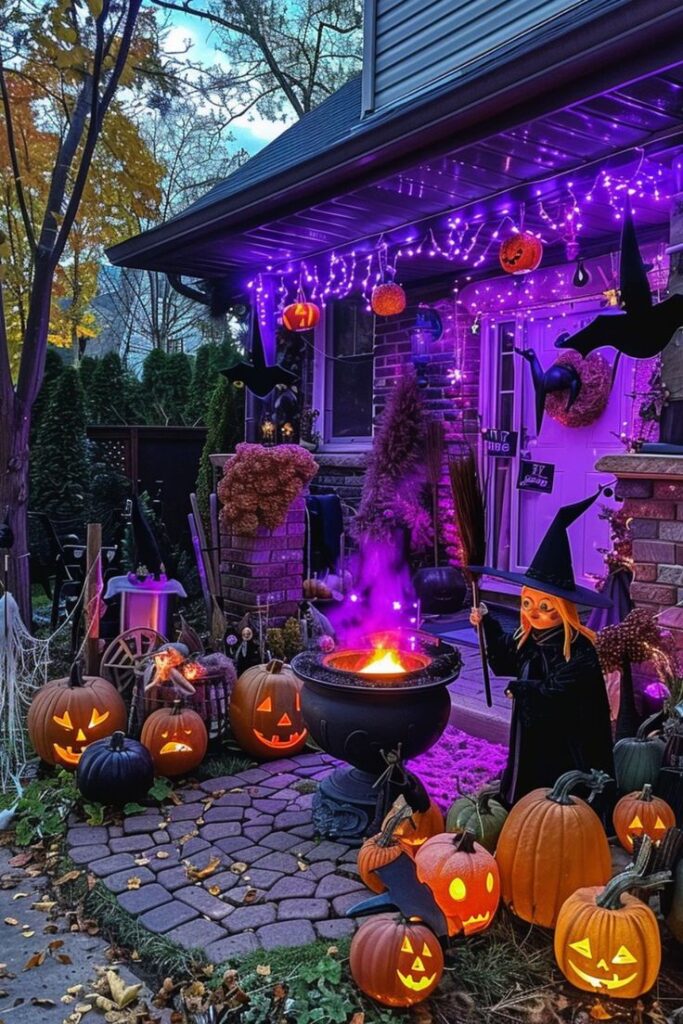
469 507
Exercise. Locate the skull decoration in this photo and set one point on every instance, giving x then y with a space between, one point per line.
66 715
265 711
520 253
642 814
463 877
176 738
394 961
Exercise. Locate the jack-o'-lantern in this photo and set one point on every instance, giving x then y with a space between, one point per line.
607 941
265 711
176 738
464 879
642 814
388 299
384 847
394 961
520 253
68 714
301 316
551 844
421 826
481 815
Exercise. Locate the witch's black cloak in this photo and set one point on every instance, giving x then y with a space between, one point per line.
560 715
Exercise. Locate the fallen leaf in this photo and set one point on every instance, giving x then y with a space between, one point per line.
141 861
134 883
263 970
56 944
11 920
82 1007
70 876
63 958
358 1018
35 961
21 859
197 874
215 890
75 990
122 994
162 855
28 934
135 955
332 950
19 895
44 905
239 867
38 1001
302 865
598 1012
250 895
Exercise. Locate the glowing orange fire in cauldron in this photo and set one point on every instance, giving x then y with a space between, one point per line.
383 662
380 664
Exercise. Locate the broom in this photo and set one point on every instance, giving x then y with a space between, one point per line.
468 503
433 463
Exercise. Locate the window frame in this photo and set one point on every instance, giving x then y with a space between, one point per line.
323 389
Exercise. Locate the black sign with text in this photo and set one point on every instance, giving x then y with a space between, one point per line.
500 444
536 476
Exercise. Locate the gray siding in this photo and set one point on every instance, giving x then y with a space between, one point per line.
414 44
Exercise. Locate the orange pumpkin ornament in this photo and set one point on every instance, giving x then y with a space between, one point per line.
301 316
642 814
394 961
265 711
551 845
607 941
421 826
464 879
520 253
68 714
382 848
388 299
176 738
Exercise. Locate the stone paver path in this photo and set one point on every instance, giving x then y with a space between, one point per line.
277 884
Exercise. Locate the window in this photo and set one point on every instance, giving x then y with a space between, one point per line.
346 378
504 349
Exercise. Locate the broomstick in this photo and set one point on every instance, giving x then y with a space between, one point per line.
468 503
434 459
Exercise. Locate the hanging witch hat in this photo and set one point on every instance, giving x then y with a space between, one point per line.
257 376
551 570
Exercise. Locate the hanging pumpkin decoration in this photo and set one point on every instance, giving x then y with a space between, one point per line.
301 315
68 714
382 848
464 879
421 826
394 961
116 770
265 711
550 845
176 738
481 815
607 941
521 253
637 759
642 814
388 299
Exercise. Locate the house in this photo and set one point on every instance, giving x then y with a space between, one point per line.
471 122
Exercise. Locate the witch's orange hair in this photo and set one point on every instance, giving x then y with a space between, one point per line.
570 620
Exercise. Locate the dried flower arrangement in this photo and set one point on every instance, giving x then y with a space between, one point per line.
259 485
596 384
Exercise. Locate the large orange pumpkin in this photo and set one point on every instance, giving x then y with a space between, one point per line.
642 814
422 825
68 714
551 844
265 711
301 316
464 879
382 848
607 941
388 299
394 961
520 253
176 738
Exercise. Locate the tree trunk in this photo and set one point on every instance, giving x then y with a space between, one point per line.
15 425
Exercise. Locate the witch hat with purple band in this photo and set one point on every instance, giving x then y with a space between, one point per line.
551 569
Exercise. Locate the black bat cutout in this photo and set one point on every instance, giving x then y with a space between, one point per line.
259 378
560 377
642 329
406 894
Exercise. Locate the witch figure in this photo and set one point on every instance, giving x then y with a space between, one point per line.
560 713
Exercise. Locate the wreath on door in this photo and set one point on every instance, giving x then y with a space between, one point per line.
596 384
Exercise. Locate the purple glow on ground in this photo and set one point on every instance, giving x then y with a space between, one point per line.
459 764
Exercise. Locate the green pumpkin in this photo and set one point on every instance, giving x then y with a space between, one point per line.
481 815
674 918
637 759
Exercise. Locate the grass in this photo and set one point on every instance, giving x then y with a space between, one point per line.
223 762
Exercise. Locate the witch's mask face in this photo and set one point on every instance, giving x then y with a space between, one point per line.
540 609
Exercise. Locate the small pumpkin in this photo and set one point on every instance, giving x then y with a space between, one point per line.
382 848
642 814
607 941
301 316
265 711
176 738
552 844
68 714
388 299
637 759
421 826
116 770
481 815
464 879
394 961
520 253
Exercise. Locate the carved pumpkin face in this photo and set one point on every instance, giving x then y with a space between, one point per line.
642 814
463 877
301 316
265 711
539 609
412 833
520 253
66 715
176 738
395 962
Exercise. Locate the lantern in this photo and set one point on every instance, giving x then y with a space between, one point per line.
642 814
394 961
637 759
388 299
607 941
481 815
464 879
115 771
301 316
265 711
416 830
520 253
383 848
551 844
66 715
176 738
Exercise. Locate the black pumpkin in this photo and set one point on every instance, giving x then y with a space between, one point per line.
116 770
637 759
441 589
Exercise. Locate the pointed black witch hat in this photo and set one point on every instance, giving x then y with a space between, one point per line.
551 569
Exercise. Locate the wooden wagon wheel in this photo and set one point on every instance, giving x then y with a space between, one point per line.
121 659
